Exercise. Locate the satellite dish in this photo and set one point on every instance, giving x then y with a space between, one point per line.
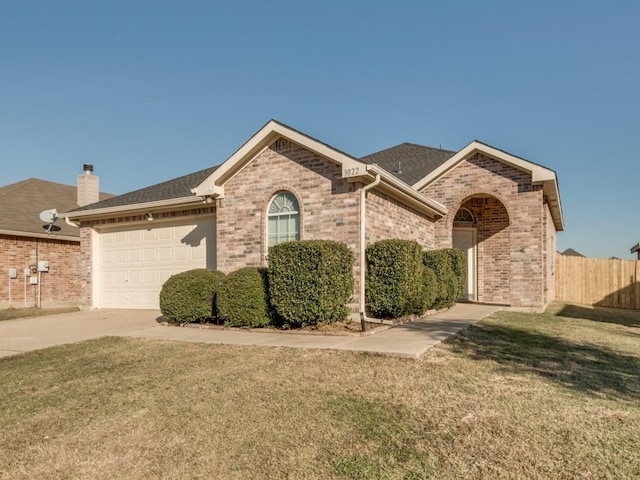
49 216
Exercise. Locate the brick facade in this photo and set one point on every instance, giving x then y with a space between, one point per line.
515 233
329 205
550 248
511 198
60 286
387 218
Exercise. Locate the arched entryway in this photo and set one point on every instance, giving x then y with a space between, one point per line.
480 229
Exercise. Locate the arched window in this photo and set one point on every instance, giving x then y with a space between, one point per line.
283 219
463 215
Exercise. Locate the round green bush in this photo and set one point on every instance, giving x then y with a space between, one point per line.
429 289
459 266
310 282
440 262
397 282
189 296
242 298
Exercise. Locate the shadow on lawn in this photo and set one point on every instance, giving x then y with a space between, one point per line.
586 368
628 318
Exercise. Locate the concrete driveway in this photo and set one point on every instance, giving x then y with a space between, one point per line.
28 334
409 340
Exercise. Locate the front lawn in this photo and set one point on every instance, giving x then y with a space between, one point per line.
516 396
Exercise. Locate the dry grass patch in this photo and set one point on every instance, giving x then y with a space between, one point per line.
517 396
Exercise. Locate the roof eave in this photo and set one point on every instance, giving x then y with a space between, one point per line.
52 236
406 193
132 208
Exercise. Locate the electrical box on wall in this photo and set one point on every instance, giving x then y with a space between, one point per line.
43 266
13 273
33 280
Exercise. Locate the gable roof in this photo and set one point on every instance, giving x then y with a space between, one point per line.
351 167
635 248
419 166
409 162
22 202
539 174
214 184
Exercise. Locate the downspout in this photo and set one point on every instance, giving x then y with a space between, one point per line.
363 226
70 223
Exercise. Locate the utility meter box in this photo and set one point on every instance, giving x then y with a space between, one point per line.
13 273
33 280
43 266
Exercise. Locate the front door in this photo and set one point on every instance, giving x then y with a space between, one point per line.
465 239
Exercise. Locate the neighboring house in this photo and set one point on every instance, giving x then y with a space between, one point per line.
636 249
26 240
501 210
570 252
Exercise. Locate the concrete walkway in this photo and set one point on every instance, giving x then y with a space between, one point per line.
410 340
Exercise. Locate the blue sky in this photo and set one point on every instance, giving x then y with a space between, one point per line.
147 91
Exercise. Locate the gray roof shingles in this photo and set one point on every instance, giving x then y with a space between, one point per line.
409 162
176 188
22 202
416 161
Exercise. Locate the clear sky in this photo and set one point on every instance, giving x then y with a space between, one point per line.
151 90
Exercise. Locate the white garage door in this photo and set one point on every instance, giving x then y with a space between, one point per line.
135 262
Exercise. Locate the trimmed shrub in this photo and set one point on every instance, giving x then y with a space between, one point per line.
397 282
448 291
310 281
459 266
429 288
242 298
189 296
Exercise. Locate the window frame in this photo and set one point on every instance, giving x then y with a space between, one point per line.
293 214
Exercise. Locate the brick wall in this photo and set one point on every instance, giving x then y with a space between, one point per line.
550 248
60 286
493 240
329 205
387 218
484 177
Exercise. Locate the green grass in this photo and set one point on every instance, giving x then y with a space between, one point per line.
516 396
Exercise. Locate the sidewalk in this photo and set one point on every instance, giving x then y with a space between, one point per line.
410 340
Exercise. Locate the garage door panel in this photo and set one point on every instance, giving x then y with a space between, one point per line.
135 263
108 278
150 277
165 254
150 255
135 255
182 253
150 234
166 233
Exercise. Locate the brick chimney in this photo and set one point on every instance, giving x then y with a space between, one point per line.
88 189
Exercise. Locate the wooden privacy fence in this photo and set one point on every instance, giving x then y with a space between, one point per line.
598 281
